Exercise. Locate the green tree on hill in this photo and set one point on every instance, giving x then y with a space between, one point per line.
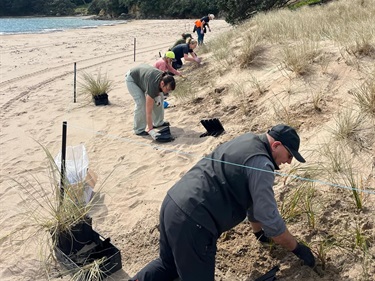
237 11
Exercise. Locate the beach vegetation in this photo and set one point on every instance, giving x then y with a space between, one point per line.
364 95
60 219
298 56
93 86
232 11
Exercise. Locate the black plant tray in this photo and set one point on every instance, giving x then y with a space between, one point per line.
213 126
101 99
85 247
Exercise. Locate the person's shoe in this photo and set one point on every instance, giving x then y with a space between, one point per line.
165 124
143 133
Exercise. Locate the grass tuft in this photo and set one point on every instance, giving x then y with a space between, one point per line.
94 86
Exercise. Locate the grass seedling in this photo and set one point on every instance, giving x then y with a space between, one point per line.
240 92
351 179
308 202
323 247
283 113
348 124
255 83
364 96
335 158
290 208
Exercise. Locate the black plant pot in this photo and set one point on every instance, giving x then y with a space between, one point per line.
71 253
101 99
80 234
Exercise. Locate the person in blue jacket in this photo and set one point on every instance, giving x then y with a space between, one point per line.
234 181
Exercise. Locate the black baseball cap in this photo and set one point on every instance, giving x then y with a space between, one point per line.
289 138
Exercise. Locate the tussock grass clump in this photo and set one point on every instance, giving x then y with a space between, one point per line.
55 211
185 91
250 50
94 86
283 114
348 124
298 57
365 96
221 49
333 157
317 100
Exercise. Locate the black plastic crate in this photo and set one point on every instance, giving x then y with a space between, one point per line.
95 249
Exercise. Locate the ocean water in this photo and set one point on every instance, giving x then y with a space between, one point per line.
48 24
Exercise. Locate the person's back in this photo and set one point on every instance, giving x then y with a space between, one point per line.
214 195
178 42
179 50
218 193
165 64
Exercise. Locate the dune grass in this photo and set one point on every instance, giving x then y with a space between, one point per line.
92 85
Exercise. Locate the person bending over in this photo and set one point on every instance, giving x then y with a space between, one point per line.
201 27
147 85
165 64
182 40
183 51
234 181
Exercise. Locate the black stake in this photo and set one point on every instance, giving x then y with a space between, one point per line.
134 47
63 155
75 79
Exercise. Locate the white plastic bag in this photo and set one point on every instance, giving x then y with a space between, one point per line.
76 163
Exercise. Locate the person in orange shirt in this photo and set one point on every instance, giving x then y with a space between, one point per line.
165 64
200 27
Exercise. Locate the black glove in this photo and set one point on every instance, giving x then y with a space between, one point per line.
305 254
261 237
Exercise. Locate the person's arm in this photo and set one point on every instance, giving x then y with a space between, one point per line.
172 70
264 207
202 26
192 58
264 212
286 240
256 226
149 106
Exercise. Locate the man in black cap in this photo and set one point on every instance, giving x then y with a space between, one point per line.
235 180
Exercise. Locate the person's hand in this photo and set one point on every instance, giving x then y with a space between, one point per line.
198 60
305 254
261 237
158 100
154 134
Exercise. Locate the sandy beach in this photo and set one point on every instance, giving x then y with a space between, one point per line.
37 96
134 173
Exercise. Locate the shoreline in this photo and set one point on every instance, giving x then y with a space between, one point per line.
93 23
